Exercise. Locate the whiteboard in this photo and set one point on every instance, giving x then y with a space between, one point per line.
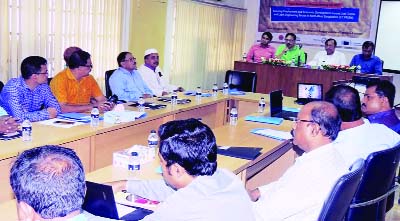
388 36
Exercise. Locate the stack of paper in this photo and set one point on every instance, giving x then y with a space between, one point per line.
275 134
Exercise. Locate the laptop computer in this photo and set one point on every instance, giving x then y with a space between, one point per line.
307 92
100 201
276 106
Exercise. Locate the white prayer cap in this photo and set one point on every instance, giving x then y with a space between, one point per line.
150 51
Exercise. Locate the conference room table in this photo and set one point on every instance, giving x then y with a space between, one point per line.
95 145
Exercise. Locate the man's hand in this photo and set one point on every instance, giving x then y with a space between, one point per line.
106 106
8 124
52 112
117 185
147 96
254 194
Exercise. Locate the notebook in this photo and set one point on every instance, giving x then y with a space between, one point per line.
307 92
247 153
100 201
276 106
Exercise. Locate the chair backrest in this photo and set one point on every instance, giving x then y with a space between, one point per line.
107 83
338 201
49 80
376 181
241 80
1 86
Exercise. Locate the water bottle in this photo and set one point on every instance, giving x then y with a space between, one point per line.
233 116
141 104
214 90
174 98
261 105
26 130
198 93
94 117
152 143
244 57
358 69
134 162
225 89
293 63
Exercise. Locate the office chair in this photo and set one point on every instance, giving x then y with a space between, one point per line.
107 82
241 80
339 200
1 86
369 202
49 80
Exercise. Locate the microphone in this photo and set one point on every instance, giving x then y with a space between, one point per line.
159 74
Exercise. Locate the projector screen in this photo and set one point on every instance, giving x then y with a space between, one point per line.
350 22
387 42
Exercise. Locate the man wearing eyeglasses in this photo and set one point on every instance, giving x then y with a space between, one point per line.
290 52
29 96
126 81
301 191
75 89
153 75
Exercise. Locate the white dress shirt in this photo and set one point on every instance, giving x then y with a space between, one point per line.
322 58
221 196
360 141
301 191
154 81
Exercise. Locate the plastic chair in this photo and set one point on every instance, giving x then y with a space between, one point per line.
369 202
339 200
241 80
107 83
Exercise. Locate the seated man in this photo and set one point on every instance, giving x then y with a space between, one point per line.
370 64
329 56
29 96
152 74
264 49
377 104
290 52
68 52
8 124
301 191
126 81
358 137
193 188
49 183
74 87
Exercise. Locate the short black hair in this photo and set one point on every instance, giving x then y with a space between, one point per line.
191 144
384 88
121 57
291 34
326 115
32 65
268 34
77 59
331 39
50 179
368 44
347 101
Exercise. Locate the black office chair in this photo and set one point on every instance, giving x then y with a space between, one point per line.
107 83
49 80
1 86
241 80
339 200
369 202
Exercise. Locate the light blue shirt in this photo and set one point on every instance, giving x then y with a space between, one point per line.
127 85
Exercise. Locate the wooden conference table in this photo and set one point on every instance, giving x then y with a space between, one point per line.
95 146
270 77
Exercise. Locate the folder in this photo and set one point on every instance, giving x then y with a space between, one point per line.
247 153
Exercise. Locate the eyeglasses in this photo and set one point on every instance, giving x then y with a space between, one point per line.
306 121
130 59
47 72
289 40
88 66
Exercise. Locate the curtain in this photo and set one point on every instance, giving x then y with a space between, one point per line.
47 27
206 41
